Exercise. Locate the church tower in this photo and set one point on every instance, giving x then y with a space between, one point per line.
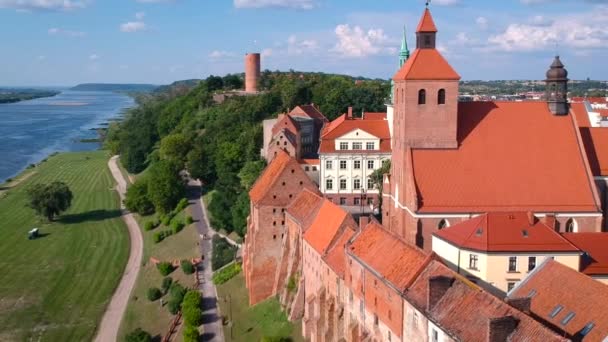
404 55
557 88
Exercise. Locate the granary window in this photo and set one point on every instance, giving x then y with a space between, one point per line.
421 97
441 96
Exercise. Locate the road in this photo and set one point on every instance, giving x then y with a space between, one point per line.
212 323
108 329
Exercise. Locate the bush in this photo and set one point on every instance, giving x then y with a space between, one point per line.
153 294
187 267
176 227
292 284
183 203
165 268
226 274
223 253
158 237
149 226
137 199
166 285
167 220
173 306
191 334
138 335
191 308
176 296
189 220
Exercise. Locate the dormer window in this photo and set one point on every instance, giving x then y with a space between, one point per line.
343 146
421 97
370 146
357 146
441 96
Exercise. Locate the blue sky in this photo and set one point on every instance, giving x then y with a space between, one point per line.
65 42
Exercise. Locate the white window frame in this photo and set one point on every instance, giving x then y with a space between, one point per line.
329 164
372 163
370 184
357 164
343 184
329 184
343 146
345 163
368 144
356 184
357 145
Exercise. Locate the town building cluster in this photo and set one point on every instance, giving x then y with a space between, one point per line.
490 225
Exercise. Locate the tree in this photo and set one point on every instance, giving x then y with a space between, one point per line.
174 147
250 173
377 178
191 307
50 200
191 334
214 83
165 186
232 81
137 199
240 211
138 335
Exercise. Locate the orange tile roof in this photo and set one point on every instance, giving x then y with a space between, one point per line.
336 256
590 99
580 113
309 161
426 64
512 157
342 126
505 232
305 207
285 122
264 184
465 309
426 23
374 116
328 222
392 258
308 110
595 245
595 140
552 284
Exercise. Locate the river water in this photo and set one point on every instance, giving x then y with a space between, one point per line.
31 130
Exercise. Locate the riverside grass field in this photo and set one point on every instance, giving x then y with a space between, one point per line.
57 287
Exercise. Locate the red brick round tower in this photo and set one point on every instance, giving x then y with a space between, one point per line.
252 72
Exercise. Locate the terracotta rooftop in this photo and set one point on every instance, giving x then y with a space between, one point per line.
336 256
567 299
305 207
505 232
309 161
285 122
392 258
327 224
260 192
426 23
590 99
426 64
374 116
342 125
511 158
595 140
308 110
595 245
580 112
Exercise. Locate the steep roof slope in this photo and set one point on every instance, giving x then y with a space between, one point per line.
595 140
426 64
326 225
305 207
596 246
374 125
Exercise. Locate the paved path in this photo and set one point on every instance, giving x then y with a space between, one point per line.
212 323
108 329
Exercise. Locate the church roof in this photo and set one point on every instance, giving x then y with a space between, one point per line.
595 140
505 232
513 156
426 64
426 24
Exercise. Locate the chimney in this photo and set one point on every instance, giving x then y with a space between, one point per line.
550 221
500 328
363 221
522 303
438 286
350 113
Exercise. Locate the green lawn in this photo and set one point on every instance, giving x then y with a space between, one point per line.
56 288
141 313
253 323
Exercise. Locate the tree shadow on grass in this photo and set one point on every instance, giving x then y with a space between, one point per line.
157 338
207 337
90 216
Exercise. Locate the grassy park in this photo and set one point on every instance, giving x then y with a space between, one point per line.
57 287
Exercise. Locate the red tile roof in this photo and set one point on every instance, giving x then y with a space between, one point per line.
326 225
505 232
426 64
263 186
595 245
285 122
552 284
309 161
426 23
395 260
305 207
595 140
513 156
336 256
374 116
580 113
590 99
308 110
342 125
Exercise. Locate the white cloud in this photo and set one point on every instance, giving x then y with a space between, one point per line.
44 5
140 15
482 22
356 43
55 31
133 26
218 54
297 4
94 57
266 53
299 47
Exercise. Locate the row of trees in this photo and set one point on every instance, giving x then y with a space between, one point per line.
220 143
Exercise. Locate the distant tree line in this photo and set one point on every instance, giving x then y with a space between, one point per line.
220 143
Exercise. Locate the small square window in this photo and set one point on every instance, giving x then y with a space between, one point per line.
357 164
510 286
357 201
342 164
357 146
370 164
343 146
370 146
342 200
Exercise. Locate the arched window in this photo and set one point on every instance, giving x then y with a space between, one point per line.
441 96
421 97
443 224
571 226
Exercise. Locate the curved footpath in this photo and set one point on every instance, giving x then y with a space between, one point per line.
108 329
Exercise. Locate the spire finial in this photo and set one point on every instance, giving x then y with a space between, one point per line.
428 2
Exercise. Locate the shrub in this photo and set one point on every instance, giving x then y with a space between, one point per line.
8 180
166 285
173 306
191 308
176 296
153 294
165 268
138 335
183 203
149 226
158 237
187 267
176 227
166 220
226 274
189 220
291 284
137 199
191 334
223 253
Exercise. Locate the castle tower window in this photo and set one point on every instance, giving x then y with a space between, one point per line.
421 97
443 224
571 226
441 96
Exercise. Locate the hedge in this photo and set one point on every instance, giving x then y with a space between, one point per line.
227 273
223 253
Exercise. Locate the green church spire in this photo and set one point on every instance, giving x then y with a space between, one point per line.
404 55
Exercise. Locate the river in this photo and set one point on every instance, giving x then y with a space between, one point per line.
31 130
